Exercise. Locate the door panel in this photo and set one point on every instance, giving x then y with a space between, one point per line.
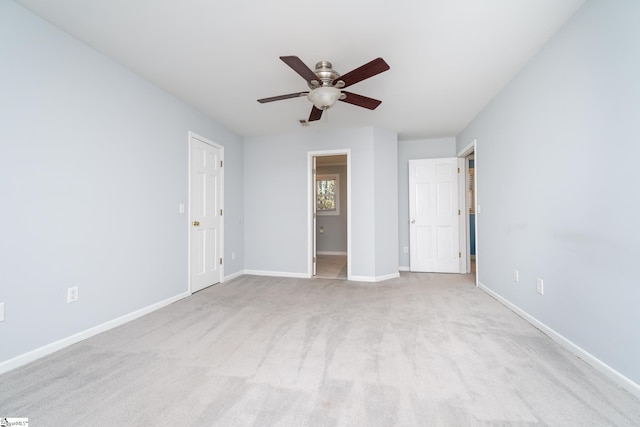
433 209
422 199
423 239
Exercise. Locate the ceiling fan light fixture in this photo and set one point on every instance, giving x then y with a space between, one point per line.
326 84
324 97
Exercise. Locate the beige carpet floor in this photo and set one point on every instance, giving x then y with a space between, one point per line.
421 350
331 267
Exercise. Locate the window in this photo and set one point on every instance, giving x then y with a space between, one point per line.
327 194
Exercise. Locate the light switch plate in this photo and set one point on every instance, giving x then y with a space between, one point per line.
72 294
1 311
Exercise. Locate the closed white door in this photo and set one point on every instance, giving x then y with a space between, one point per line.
205 254
433 211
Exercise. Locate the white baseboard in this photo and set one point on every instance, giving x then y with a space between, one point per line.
233 275
306 276
330 253
402 268
276 274
32 355
374 278
590 359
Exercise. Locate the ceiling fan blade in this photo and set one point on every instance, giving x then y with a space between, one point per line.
279 97
300 67
316 113
369 69
361 101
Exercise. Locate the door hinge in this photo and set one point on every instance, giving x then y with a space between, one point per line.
220 261
221 164
314 259
458 212
459 255
458 170
220 212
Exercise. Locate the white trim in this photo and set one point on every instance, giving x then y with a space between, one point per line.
193 135
578 351
43 351
467 149
463 219
403 268
267 273
311 202
375 278
234 275
330 253
276 274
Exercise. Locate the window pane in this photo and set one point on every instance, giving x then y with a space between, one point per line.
328 194
326 189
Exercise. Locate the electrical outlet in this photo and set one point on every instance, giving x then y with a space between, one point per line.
515 276
1 311
406 249
540 286
72 294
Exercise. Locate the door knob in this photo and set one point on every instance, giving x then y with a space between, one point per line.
413 221
196 223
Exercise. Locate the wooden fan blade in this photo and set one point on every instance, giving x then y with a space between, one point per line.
299 67
361 101
316 113
369 69
279 97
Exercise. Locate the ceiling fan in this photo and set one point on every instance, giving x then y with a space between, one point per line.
326 85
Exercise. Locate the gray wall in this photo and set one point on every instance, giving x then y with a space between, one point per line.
93 165
276 199
557 180
409 150
385 186
334 237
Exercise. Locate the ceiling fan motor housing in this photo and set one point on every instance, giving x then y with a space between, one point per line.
326 74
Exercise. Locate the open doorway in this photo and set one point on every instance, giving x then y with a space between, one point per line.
471 208
330 200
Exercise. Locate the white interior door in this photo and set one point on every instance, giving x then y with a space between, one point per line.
205 209
433 210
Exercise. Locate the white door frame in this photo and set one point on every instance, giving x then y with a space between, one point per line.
193 135
311 203
464 236
314 213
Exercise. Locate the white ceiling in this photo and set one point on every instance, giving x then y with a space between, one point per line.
448 58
